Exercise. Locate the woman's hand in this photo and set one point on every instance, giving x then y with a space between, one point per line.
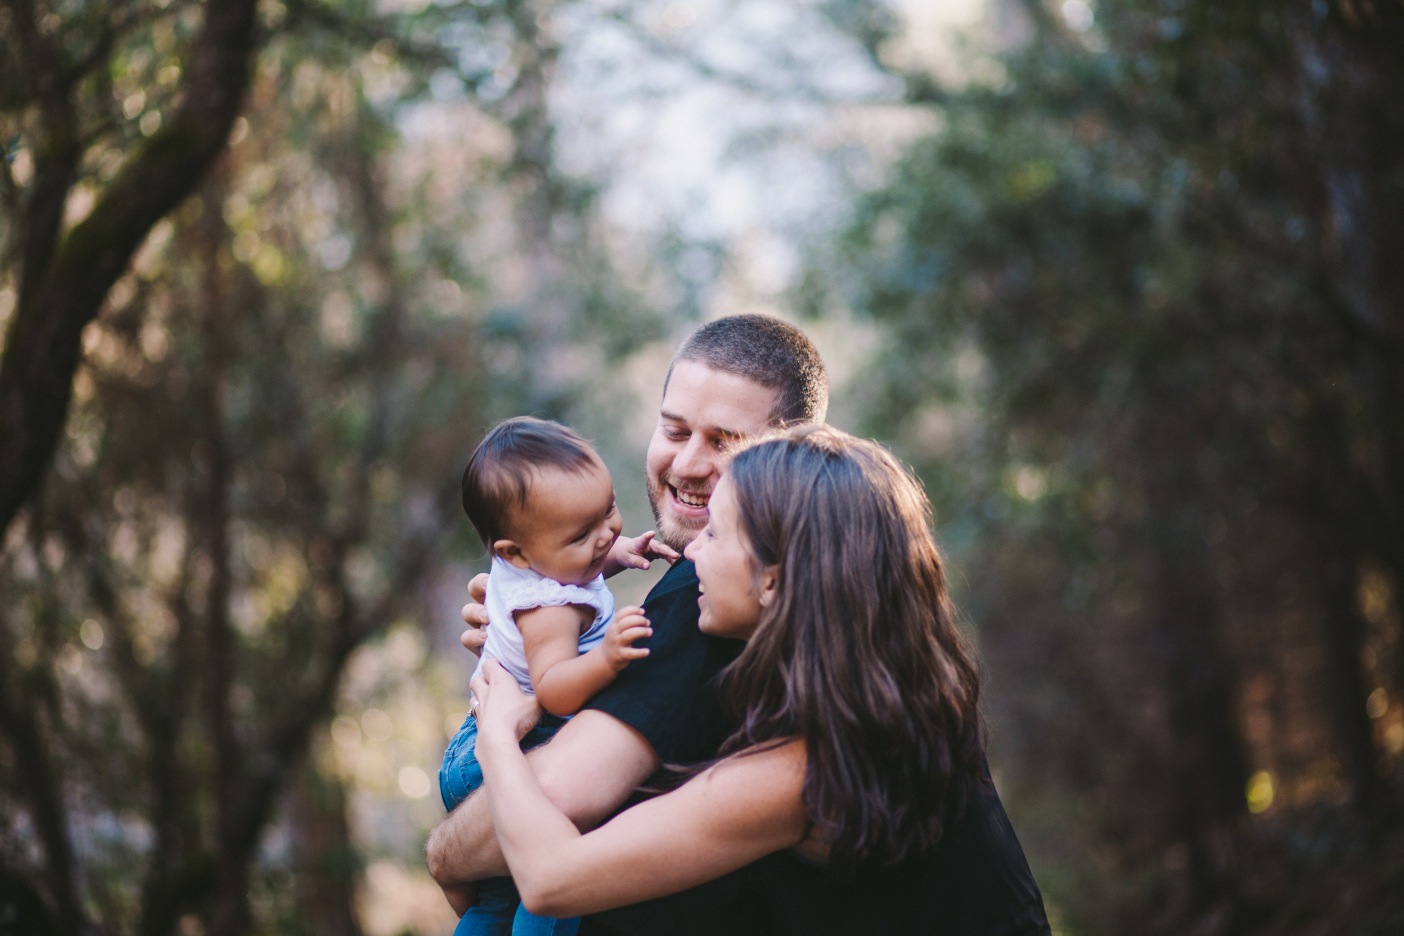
503 710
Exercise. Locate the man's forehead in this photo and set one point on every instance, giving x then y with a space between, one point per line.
717 402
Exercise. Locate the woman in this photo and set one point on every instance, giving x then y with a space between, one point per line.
859 747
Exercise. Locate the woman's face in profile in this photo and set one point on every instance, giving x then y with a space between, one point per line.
731 589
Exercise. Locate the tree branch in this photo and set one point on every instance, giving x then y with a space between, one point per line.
64 282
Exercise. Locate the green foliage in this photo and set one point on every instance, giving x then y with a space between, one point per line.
1143 343
259 470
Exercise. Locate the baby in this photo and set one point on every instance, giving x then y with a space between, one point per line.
543 503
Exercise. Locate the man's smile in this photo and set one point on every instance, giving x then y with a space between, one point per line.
690 498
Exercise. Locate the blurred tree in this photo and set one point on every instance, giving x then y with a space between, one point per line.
269 415
1146 345
219 605
60 114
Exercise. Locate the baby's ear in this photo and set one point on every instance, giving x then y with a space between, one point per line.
510 553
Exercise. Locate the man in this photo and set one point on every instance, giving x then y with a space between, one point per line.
732 379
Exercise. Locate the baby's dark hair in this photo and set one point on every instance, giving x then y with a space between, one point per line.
498 476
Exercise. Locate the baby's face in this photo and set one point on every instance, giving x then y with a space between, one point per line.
569 523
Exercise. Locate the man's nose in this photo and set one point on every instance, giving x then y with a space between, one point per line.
694 461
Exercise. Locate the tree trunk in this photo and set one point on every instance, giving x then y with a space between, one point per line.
1343 629
326 861
1208 766
65 278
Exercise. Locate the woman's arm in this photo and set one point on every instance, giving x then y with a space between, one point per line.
740 810
563 678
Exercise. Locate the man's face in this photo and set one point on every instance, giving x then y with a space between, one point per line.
705 413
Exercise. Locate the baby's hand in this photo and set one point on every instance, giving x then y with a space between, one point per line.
637 552
629 625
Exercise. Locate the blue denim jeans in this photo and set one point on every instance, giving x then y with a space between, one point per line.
499 910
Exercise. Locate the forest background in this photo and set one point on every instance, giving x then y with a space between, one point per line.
1115 277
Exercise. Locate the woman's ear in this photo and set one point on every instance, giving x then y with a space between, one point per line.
510 553
768 585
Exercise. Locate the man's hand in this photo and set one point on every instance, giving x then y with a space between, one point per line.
638 552
475 615
629 626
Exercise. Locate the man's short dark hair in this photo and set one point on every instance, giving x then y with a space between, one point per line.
497 478
768 351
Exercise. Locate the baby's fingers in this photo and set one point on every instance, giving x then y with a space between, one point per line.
633 633
635 560
661 549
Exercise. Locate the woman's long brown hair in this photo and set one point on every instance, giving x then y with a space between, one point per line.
860 655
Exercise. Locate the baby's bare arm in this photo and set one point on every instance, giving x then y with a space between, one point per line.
563 678
638 552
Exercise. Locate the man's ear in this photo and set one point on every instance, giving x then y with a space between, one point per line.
768 585
509 552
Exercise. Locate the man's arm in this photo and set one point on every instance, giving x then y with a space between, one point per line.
588 770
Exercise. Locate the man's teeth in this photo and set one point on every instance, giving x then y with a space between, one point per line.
692 500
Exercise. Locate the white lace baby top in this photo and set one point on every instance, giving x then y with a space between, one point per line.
511 589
